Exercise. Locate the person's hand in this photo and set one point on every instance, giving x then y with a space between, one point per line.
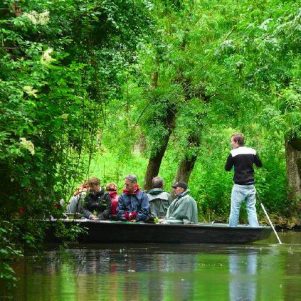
132 216
92 217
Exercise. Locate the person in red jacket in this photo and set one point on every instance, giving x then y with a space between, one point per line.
111 188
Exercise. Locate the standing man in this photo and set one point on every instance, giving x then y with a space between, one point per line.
183 209
242 158
133 204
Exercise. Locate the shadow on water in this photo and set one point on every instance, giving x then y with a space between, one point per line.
261 271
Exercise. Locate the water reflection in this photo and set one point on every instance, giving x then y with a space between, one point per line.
243 268
109 274
163 272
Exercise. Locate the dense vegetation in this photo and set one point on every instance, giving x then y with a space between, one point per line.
108 88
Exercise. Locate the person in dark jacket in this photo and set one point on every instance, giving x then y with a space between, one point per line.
133 204
159 199
97 204
242 159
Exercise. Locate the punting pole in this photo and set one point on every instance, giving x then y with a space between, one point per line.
270 223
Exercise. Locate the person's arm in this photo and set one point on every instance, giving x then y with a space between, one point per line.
121 209
229 163
107 201
191 214
143 213
81 202
257 160
72 206
86 212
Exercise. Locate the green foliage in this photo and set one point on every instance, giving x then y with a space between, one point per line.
61 62
90 87
222 67
68 233
8 254
56 75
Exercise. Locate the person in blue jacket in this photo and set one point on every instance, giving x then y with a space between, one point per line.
133 204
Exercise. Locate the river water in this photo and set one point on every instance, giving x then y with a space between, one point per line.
259 271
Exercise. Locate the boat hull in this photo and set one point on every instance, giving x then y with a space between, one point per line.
126 232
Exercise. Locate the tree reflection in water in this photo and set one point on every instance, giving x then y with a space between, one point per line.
162 272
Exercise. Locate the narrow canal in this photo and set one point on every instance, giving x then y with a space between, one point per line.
260 271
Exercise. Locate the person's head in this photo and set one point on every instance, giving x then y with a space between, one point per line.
82 187
130 183
94 184
179 187
111 187
237 140
157 182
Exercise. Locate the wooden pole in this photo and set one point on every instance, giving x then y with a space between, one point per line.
270 223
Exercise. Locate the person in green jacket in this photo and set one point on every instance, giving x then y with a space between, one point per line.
183 209
159 200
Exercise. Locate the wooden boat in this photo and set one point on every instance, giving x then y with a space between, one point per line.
127 232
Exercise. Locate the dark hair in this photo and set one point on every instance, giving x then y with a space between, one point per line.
131 178
180 184
239 138
93 181
157 182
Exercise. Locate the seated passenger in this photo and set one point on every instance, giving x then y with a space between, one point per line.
183 209
76 202
133 204
159 200
111 188
97 204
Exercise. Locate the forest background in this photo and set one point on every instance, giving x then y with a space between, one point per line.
108 88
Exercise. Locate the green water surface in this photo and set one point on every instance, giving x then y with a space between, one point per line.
261 271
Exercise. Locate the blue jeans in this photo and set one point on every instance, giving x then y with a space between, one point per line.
239 194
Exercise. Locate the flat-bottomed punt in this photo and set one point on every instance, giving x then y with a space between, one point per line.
128 232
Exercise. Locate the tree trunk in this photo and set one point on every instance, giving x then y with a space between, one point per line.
158 150
154 164
187 163
185 168
293 168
